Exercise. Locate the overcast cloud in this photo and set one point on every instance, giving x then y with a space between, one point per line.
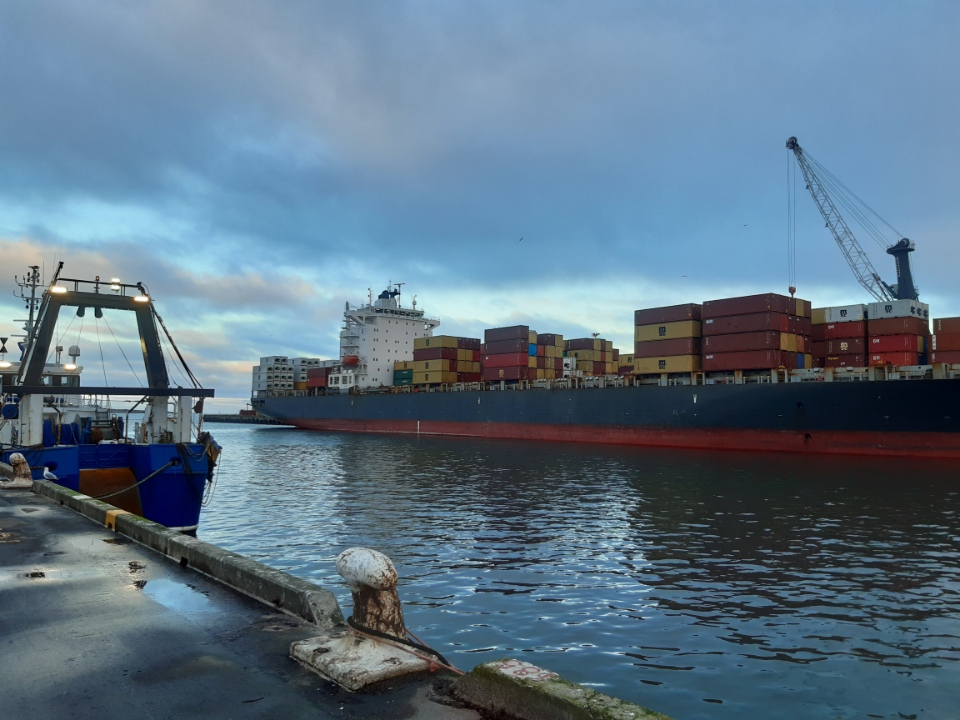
258 164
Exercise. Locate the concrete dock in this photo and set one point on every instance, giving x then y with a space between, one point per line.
94 625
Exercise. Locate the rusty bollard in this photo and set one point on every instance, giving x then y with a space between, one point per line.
351 659
22 475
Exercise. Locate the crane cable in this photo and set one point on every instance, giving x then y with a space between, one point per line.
791 222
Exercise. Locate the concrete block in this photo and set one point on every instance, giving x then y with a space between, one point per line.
525 692
353 661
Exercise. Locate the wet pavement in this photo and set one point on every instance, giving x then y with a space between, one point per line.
93 625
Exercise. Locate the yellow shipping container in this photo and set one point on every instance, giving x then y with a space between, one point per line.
585 366
626 360
431 366
818 316
549 374
433 378
403 365
608 345
448 341
612 368
669 364
667 331
531 361
300 385
788 342
532 338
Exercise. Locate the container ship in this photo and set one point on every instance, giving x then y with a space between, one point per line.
757 373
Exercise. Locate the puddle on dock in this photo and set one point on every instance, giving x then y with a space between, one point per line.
176 596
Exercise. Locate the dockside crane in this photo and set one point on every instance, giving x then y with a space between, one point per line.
854 254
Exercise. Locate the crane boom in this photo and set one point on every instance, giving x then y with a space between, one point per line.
856 258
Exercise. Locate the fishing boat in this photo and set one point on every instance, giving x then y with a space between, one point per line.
159 465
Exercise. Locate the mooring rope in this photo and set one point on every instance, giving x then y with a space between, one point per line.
156 472
406 645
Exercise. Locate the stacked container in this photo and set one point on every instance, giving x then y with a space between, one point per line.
897 332
594 356
317 377
667 339
549 352
403 372
509 353
840 336
756 332
945 341
445 359
625 364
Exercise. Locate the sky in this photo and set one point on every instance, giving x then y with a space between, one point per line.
258 164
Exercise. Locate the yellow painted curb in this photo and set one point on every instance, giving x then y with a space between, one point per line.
111 520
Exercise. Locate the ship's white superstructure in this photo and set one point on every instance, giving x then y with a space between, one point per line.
376 335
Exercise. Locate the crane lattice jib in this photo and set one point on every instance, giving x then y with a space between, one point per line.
856 258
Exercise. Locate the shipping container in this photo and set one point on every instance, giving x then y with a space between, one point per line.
436 353
840 361
492 374
898 309
434 378
842 346
945 342
753 304
666 364
750 360
465 343
755 322
403 373
844 313
947 325
667 314
316 382
499 347
317 372
662 348
583 344
504 360
434 366
550 339
436 341
818 316
667 331
898 326
895 343
739 342
514 332
299 384
894 358
838 331
951 357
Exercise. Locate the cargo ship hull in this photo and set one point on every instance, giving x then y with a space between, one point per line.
905 418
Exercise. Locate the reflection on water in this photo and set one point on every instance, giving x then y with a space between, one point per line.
703 585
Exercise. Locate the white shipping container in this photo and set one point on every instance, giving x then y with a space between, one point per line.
844 313
898 309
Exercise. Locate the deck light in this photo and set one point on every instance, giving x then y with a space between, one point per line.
69 366
58 289
5 364
115 284
141 298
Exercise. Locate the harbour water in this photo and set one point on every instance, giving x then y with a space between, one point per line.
702 585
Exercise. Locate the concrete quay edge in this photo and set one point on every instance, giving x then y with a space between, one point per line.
275 588
509 688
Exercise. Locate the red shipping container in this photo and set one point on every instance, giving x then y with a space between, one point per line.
841 330
945 341
435 353
505 360
468 343
805 325
895 343
514 332
672 313
951 357
468 377
894 358
667 348
541 363
947 325
317 382
818 334
751 304
898 326
499 347
317 372
492 374
755 322
847 346
739 342
838 361
582 344
750 360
